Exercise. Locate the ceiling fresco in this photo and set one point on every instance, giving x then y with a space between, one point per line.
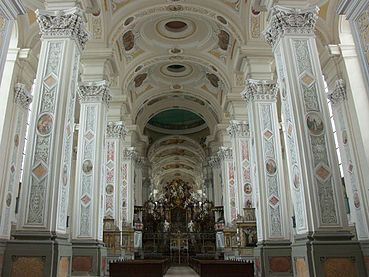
176 119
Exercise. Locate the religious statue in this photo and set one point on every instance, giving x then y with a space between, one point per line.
190 226
166 226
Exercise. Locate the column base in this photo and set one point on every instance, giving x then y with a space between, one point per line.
38 255
324 254
89 258
365 250
3 244
273 258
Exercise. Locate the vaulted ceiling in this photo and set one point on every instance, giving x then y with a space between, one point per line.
175 68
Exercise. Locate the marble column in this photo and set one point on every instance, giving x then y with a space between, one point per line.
139 164
129 157
229 188
314 176
9 54
9 10
87 233
13 159
354 184
22 100
114 146
214 163
240 135
140 161
128 198
41 236
357 13
208 182
271 209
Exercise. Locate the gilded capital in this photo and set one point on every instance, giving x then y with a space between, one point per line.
290 21
66 23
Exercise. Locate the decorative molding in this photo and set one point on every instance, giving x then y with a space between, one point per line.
291 21
116 130
12 8
22 97
225 153
238 129
67 23
94 91
339 94
260 90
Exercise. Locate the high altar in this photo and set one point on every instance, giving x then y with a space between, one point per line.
178 222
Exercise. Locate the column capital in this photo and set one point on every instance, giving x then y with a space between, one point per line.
260 90
22 97
339 93
214 161
94 91
129 153
225 153
140 161
66 23
116 130
290 21
238 129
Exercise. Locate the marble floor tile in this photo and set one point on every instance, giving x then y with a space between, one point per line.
181 271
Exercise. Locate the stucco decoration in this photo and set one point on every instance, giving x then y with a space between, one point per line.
67 23
292 21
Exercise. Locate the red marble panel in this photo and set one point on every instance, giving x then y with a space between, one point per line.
280 264
339 267
28 266
82 263
366 260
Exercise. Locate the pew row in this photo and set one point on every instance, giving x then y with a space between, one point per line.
139 268
222 268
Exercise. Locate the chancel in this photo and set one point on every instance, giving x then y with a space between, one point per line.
184 138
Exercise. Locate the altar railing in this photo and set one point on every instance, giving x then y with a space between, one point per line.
160 242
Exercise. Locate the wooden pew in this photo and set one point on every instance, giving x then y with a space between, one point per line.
222 268
139 268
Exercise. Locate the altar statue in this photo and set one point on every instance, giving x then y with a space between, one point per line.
166 226
190 226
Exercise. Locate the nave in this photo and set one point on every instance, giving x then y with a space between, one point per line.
220 134
181 271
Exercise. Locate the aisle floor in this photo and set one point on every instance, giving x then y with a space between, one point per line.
181 271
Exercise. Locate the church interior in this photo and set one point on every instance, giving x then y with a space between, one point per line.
184 138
